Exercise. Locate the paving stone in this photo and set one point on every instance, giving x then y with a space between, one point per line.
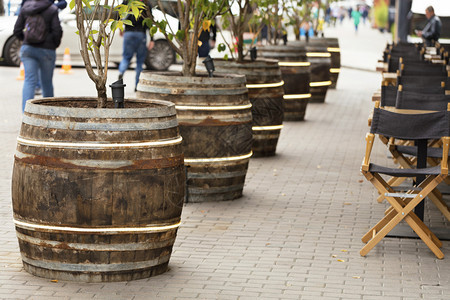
300 208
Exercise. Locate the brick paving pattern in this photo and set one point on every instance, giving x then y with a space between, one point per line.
294 235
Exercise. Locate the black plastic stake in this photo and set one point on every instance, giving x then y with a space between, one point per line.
118 93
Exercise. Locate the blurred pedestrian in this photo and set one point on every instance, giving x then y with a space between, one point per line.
38 57
61 4
208 40
356 15
432 31
135 42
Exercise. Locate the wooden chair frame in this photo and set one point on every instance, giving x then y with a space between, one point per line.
402 206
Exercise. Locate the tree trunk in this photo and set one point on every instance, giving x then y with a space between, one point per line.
2 8
101 95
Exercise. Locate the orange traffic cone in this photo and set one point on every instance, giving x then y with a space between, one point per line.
66 67
21 72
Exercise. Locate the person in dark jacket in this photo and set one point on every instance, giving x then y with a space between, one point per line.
38 58
432 31
61 4
135 42
208 40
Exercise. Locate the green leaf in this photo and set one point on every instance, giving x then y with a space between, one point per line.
225 57
180 35
72 4
135 11
221 47
153 30
127 22
170 36
113 25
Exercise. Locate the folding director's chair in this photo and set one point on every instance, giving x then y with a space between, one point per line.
407 125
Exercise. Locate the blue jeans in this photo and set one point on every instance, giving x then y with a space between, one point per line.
38 63
133 42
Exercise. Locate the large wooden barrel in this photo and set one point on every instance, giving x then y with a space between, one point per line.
215 120
265 91
335 51
296 77
97 193
320 59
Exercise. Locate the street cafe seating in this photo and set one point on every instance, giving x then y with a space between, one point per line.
406 125
405 153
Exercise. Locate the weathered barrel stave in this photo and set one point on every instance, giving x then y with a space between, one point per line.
125 186
215 119
89 266
334 49
295 73
222 136
97 197
320 73
223 181
265 91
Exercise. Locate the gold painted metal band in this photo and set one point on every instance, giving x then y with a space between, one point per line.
33 226
274 127
218 159
294 64
193 107
27 142
318 54
319 83
297 96
265 85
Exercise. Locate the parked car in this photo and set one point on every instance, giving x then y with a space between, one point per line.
159 58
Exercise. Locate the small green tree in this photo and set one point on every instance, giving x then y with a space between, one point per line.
248 19
272 17
298 12
97 22
194 16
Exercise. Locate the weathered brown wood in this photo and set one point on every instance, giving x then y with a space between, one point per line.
335 51
216 125
296 76
265 91
94 190
320 59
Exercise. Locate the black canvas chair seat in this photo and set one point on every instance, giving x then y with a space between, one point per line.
407 125
436 170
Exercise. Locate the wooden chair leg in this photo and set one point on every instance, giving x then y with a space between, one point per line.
403 210
440 204
429 240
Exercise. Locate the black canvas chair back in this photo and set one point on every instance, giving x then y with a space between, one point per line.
423 81
420 101
394 60
407 125
423 69
414 126
388 95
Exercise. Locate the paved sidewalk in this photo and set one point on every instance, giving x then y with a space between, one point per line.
294 235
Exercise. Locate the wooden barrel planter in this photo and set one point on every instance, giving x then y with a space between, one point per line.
97 193
335 51
215 120
296 77
265 91
320 59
